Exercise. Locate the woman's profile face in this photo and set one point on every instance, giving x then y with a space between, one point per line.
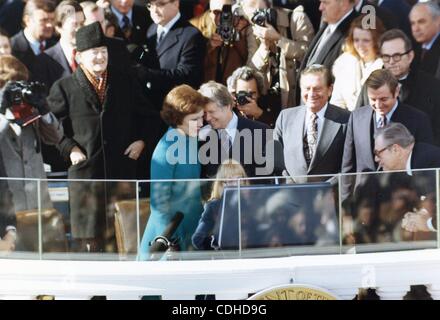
192 123
363 44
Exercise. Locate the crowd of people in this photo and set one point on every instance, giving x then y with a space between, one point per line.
112 89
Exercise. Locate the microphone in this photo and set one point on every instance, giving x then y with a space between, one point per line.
162 243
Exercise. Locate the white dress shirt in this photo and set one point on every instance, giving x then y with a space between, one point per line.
388 115
166 28
34 43
120 16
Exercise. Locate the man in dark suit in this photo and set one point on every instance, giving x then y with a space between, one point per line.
175 52
229 136
383 93
395 149
313 135
326 46
59 61
425 25
417 88
38 17
133 21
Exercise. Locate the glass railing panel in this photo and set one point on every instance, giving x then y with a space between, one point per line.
380 209
19 208
86 218
289 216
183 220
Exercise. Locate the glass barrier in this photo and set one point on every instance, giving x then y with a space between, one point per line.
379 209
20 205
224 219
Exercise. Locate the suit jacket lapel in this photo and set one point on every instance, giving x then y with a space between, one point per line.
88 90
367 129
314 42
60 57
334 38
171 38
329 131
297 154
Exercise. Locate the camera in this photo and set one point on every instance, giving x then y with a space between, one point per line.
226 25
242 97
17 93
263 16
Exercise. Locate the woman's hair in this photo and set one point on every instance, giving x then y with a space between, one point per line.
180 102
11 69
229 169
375 32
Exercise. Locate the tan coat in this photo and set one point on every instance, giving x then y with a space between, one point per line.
292 51
232 57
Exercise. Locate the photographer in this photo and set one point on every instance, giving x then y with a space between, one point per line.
278 44
224 27
246 85
24 121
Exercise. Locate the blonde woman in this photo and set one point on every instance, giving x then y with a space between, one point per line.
228 171
354 66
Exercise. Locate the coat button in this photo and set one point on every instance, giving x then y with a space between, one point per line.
148 85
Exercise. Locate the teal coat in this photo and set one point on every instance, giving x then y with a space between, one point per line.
175 158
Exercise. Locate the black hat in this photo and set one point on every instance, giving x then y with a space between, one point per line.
90 36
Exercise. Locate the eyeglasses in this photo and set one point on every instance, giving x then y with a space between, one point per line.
157 4
396 57
378 152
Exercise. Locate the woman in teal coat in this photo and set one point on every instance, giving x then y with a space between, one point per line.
176 158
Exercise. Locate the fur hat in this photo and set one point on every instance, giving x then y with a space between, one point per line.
90 36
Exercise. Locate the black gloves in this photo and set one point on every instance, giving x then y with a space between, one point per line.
35 95
7 94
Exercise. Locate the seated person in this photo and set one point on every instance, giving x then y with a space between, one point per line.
202 238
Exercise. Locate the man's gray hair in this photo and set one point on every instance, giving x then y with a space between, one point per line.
433 7
246 74
395 133
217 92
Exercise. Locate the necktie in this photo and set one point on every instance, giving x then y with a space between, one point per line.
322 40
126 26
225 140
312 137
41 47
73 64
423 54
160 36
382 122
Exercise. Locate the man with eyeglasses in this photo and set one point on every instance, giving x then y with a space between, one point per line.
384 107
417 88
395 149
174 54
133 21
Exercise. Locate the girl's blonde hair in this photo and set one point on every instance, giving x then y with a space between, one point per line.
229 169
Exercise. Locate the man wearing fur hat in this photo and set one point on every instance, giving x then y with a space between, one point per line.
103 114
